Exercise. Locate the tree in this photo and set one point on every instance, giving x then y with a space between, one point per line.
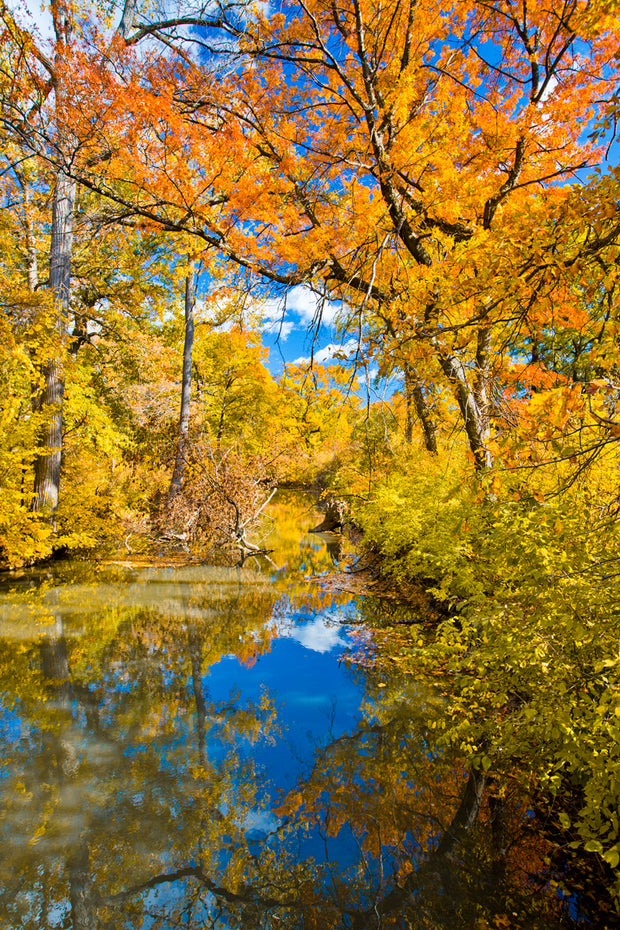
120 293
36 102
186 383
441 247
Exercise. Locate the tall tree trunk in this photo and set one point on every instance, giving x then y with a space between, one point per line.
414 397
49 460
475 419
33 283
482 380
186 386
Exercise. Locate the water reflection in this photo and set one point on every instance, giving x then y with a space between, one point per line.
188 747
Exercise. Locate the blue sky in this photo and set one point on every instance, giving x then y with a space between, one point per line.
290 325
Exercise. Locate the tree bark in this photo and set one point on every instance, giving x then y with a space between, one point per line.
482 381
474 419
48 464
414 397
186 386
49 461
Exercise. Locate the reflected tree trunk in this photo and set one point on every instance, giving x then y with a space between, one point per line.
62 746
466 815
499 842
55 661
439 867
83 903
195 651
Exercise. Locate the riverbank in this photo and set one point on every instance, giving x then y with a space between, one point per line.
515 601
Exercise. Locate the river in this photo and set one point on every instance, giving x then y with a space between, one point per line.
193 746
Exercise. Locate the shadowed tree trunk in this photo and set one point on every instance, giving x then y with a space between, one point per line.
414 397
186 386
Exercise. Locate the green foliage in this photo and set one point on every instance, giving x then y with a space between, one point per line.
23 535
530 643
230 369
418 520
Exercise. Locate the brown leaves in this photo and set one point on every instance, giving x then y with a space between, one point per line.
220 501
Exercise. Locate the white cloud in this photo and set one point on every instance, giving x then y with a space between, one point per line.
299 309
306 304
271 318
549 89
326 354
319 635
278 316
36 17
280 328
259 822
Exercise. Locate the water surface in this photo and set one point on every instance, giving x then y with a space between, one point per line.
194 747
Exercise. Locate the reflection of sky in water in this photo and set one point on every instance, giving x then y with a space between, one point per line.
316 700
316 696
319 634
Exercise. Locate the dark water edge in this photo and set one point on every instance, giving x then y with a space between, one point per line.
201 747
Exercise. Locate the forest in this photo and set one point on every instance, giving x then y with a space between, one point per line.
443 179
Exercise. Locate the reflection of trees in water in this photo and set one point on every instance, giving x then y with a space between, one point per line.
135 802
135 749
113 762
334 545
384 610
426 858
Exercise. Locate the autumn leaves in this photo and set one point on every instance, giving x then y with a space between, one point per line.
424 165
